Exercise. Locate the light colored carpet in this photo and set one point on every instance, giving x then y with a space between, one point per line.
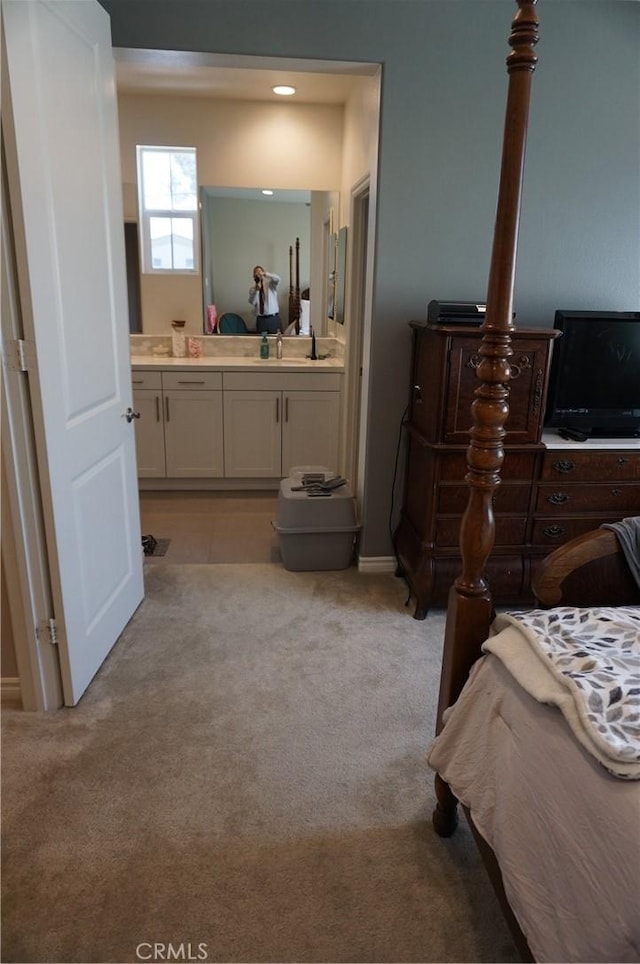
247 772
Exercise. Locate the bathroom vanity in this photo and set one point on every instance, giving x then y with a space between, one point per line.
228 421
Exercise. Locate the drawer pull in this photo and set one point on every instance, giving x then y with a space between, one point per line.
524 363
553 532
558 498
191 381
616 492
564 465
622 460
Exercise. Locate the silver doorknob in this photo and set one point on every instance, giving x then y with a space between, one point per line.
130 415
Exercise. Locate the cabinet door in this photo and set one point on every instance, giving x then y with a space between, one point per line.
252 434
310 430
527 387
149 429
193 434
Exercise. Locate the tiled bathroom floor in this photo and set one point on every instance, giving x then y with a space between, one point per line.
215 527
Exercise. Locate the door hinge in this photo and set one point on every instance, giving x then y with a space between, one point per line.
22 357
53 632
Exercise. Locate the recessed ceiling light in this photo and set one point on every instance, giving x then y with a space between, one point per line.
284 90
267 191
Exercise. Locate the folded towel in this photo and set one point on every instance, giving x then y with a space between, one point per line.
628 534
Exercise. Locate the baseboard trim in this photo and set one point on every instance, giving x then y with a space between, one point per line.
208 485
10 692
377 564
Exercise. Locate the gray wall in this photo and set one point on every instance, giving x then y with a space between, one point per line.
443 94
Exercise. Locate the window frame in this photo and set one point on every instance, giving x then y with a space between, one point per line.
145 214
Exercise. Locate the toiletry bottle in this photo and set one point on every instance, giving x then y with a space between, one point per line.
313 356
264 346
279 345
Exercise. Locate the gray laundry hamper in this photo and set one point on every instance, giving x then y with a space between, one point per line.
315 532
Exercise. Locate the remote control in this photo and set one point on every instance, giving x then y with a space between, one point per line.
573 434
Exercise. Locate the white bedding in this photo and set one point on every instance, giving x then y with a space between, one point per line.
586 662
565 831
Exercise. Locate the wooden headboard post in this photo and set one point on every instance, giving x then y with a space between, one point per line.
470 607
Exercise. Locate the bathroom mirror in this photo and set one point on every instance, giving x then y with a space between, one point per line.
242 227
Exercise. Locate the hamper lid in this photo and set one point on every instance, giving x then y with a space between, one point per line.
301 510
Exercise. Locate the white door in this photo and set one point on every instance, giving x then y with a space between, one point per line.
193 434
311 430
150 434
252 434
65 189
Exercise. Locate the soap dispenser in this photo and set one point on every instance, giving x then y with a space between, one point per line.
264 346
279 345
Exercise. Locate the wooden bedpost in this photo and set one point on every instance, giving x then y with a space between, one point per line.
296 305
470 607
294 292
291 301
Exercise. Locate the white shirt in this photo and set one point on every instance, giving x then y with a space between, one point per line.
270 284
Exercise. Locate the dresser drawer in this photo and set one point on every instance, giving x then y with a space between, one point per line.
509 531
610 497
508 498
151 380
555 532
191 380
516 466
596 466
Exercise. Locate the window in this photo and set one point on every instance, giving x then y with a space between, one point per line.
168 202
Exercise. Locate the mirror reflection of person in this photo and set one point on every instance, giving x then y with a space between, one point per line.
263 295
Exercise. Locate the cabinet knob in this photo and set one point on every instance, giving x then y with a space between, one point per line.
616 492
622 460
417 393
564 465
558 498
553 532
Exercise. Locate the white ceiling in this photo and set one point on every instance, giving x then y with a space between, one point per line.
189 74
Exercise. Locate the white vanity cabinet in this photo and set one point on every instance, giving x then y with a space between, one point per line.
274 421
179 433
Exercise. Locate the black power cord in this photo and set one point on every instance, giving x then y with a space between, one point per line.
403 422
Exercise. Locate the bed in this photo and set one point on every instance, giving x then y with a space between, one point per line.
539 712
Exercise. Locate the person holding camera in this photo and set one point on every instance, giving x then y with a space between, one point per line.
263 295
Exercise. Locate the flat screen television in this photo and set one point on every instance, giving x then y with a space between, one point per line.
594 383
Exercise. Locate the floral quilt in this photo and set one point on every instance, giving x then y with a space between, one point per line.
592 660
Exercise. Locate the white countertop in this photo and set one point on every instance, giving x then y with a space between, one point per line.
552 440
215 363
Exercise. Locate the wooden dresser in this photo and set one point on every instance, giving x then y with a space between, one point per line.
551 489
443 381
581 485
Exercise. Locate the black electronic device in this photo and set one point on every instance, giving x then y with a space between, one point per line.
572 435
455 312
594 383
